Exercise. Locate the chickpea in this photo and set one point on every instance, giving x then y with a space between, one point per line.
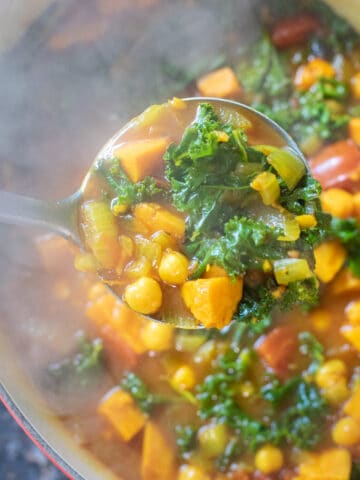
330 373
213 439
332 379
144 295
173 268
184 378
191 472
346 432
157 336
269 459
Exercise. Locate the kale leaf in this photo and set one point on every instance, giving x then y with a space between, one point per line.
133 384
298 423
257 304
185 438
127 192
355 471
266 72
83 365
238 249
348 233
310 346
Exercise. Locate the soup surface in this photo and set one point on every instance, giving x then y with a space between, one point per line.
191 201
276 394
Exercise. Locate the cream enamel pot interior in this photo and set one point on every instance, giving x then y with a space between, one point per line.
56 109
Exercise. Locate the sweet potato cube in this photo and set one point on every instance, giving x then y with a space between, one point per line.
142 157
352 335
212 301
344 283
158 462
332 464
157 218
122 412
219 83
277 349
352 406
329 257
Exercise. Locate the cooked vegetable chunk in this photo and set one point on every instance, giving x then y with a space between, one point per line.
277 348
157 461
120 409
329 258
332 464
142 157
212 301
221 83
157 218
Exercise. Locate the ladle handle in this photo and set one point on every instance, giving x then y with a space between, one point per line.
57 216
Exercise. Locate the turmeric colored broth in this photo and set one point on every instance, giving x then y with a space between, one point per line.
133 240
270 398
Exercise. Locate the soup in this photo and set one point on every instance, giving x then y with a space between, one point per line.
191 200
272 396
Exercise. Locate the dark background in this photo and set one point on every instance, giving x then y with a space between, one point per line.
20 459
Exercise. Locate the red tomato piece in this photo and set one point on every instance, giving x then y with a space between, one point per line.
338 165
294 30
277 349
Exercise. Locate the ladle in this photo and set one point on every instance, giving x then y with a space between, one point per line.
61 216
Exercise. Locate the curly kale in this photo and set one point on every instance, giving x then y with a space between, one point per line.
302 407
127 192
348 233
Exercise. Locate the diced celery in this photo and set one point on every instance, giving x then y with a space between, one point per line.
291 228
290 270
189 341
288 165
267 185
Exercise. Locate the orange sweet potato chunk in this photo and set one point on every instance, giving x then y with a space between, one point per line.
140 158
277 349
219 83
157 218
331 464
352 406
158 462
212 301
121 411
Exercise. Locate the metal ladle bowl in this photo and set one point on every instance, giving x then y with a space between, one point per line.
62 216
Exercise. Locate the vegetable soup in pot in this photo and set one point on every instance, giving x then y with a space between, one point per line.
270 390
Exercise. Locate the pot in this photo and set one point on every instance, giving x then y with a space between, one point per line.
72 72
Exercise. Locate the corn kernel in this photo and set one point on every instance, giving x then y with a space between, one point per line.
119 208
267 266
346 432
221 136
269 459
184 378
306 221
